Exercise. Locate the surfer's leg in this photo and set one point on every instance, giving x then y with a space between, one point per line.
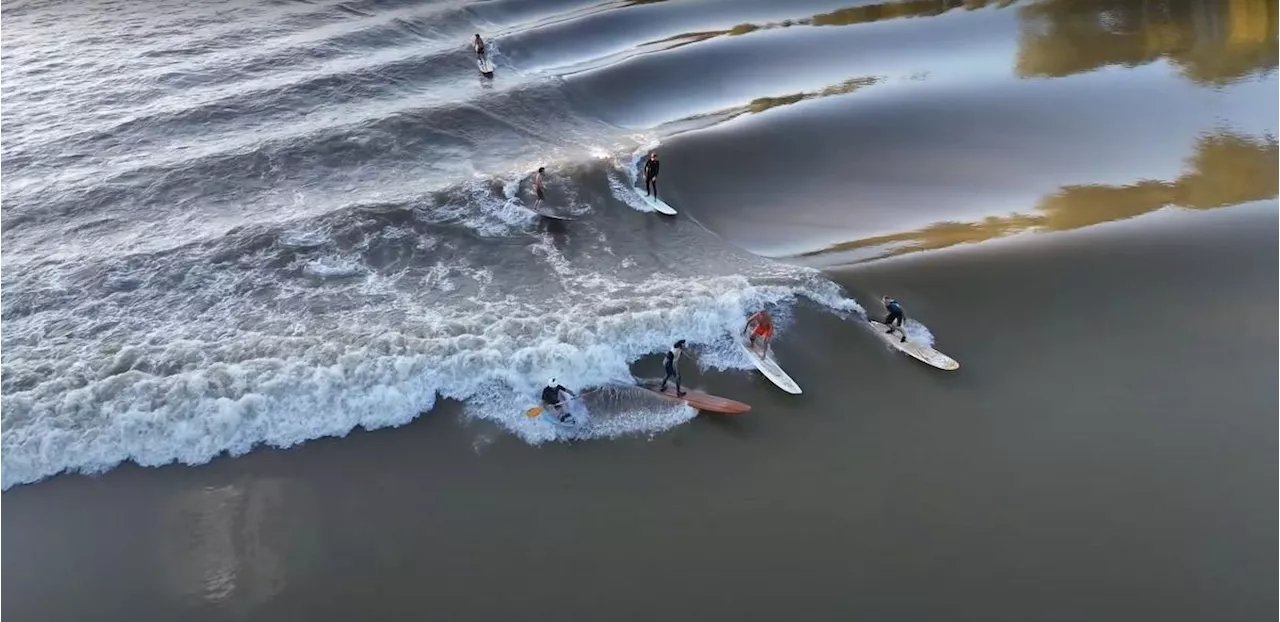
679 392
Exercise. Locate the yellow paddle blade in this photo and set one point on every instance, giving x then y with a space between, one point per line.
533 412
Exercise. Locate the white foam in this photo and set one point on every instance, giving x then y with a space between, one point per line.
170 398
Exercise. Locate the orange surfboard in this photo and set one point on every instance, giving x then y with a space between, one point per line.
701 401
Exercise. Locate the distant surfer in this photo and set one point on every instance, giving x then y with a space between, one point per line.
553 398
651 175
671 365
759 325
895 315
478 44
537 186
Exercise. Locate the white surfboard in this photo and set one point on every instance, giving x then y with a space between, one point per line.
657 204
917 351
770 368
484 66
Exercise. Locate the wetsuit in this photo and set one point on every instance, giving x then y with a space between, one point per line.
895 315
651 178
669 365
551 397
479 44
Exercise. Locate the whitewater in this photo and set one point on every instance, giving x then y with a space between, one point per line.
231 225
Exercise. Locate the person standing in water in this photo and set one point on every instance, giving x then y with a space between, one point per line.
478 44
759 325
671 365
651 175
552 397
537 186
895 315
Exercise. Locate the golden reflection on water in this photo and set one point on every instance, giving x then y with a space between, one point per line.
1225 169
851 16
1211 42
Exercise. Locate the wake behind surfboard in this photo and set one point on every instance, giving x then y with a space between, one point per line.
920 352
657 204
770 368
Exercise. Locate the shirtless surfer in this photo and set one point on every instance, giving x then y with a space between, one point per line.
537 186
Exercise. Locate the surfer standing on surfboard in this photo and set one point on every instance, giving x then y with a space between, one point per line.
760 325
478 44
537 185
551 398
895 315
651 175
671 365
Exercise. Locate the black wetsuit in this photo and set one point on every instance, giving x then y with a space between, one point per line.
651 178
551 398
551 395
669 366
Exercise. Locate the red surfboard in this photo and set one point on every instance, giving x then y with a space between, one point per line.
702 401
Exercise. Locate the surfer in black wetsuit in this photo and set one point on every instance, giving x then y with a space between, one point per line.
895 315
551 398
537 186
651 175
671 365
478 44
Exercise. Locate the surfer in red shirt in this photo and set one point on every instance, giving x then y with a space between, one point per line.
759 325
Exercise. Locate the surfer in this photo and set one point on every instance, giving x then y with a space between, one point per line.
651 175
759 325
478 44
895 315
671 365
552 397
537 186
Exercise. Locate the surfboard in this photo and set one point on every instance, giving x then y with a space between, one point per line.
546 213
577 415
697 399
484 66
770 368
920 352
654 202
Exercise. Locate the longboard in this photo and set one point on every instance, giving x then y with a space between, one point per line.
921 353
654 202
770 368
546 213
697 399
484 66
